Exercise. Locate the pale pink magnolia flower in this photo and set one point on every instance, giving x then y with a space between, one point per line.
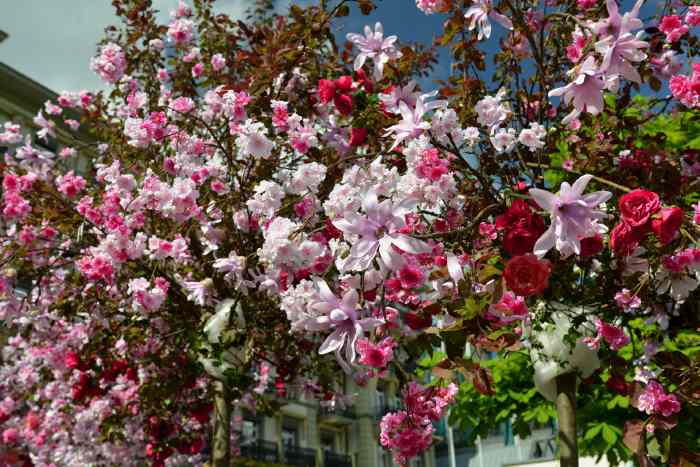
619 54
199 292
479 14
585 90
412 124
341 315
373 45
47 127
615 24
378 230
492 111
573 216
398 94
233 266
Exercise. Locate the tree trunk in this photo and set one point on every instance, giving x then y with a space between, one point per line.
221 448
566 416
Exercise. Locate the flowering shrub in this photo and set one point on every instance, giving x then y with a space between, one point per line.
262 206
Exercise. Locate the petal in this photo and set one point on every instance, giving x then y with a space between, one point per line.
359 61
333 342
454 268
545 243
544 199
338 315
580 185
596 198
325 292
350 299
501 19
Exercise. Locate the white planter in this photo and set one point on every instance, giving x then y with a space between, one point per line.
554 356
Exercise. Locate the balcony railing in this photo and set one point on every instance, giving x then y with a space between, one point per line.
299 457
260 450
334 459
337 415
384 409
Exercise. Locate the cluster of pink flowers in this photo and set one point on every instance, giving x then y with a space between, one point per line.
686 89
654 400
409 432
110 64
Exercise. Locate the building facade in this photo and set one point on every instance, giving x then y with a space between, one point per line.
305 434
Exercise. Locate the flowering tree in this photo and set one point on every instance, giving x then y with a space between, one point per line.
262 205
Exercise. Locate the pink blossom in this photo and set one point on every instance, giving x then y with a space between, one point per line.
673 27
181 31
692 17
110 64
613 335
218 62
510 308
10 436
586 4
70 184
626 300
376 355
654 400
431 6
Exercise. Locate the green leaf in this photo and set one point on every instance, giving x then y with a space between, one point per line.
593 432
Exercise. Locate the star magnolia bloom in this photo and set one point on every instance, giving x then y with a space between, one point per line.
479 14
378 231
343 317
373 45
586 90
573 216
413 124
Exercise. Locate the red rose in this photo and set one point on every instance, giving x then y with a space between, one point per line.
344 83
666 224
72 360
343 102
520 241
358 136
526 274
361 77
326 90
591 246
624 239
636 207
518 214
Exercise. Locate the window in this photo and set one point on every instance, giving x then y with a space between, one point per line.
290 432
328 441
250 431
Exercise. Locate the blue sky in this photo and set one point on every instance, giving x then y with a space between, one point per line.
52 40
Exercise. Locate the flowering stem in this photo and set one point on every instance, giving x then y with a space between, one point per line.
566 418
221 450
596 178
